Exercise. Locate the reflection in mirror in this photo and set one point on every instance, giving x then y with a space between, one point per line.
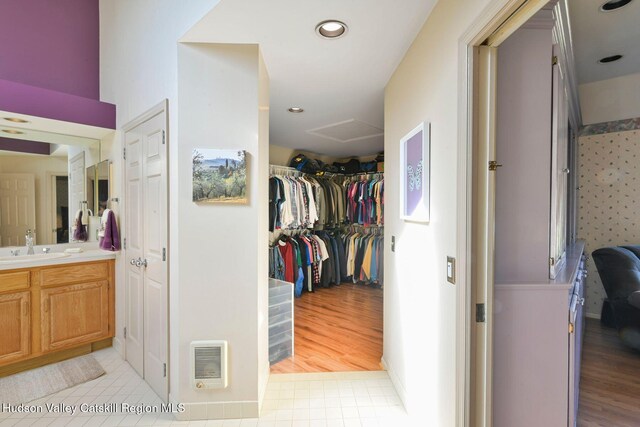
98 187
42 184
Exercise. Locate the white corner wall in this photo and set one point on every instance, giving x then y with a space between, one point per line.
223 292
610 100
138 69
420 305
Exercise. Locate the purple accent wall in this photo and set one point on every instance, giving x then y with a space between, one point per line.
52 44
35 101
24 146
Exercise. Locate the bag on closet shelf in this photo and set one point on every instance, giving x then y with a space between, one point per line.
352 166
371 166
305 164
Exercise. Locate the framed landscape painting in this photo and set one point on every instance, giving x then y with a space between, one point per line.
219 176
415 170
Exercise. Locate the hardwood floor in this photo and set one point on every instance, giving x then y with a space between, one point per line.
610 380
336 329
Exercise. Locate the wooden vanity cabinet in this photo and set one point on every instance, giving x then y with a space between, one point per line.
54 312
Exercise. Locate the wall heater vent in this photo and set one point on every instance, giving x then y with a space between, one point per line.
209 364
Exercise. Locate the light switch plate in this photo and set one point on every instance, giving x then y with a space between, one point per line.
451 270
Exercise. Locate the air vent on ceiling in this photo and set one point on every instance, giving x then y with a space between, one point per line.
347 131
209 364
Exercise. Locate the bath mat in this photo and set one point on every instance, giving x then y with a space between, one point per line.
36 383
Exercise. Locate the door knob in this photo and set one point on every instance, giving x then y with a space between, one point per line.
132 262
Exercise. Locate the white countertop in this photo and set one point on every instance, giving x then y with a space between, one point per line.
89 253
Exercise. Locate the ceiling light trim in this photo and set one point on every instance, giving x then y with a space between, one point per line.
325 29
614 5
610 59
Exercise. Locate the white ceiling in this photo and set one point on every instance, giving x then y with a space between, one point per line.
599 34
335 81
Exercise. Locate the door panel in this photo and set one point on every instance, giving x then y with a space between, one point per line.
17 207
155 238
134 341
74 314
15 325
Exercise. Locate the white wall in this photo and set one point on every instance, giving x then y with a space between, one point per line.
138 69
420 305
40 167
610 100
223 277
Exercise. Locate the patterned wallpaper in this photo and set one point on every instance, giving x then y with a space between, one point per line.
609 197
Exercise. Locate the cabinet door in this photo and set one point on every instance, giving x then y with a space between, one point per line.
15 324
74 314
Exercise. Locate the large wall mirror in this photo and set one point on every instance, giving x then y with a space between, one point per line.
43 183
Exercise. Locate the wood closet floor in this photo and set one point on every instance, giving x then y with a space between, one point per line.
610 380
336 329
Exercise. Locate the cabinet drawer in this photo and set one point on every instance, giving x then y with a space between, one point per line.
67 274
15 280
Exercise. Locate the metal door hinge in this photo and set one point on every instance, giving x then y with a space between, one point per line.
571 328
493 165
164 370
481 315
552 262
125 333
124 243
163 138
124 153
164 254
554 60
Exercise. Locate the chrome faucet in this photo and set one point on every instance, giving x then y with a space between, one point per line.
29 239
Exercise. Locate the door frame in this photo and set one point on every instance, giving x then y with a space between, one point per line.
498 20
161 108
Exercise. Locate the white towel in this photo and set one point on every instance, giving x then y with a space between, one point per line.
103 222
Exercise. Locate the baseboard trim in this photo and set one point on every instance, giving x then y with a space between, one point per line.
118 346
263 391
592 316
395 380
218 410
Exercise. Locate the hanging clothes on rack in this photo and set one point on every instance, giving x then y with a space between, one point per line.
365 256
305 202
365 200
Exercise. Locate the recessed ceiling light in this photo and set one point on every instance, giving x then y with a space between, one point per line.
614 5
12 131
296 110
331 29
15 120
608 59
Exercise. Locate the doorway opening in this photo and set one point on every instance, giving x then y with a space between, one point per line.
61 208
326 224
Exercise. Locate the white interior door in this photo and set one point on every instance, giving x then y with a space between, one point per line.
76 187
147 276
17 207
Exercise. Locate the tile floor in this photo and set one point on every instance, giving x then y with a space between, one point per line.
327 399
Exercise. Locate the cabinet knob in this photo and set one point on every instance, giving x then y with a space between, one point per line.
565 170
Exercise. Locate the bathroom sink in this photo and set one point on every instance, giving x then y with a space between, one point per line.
36 257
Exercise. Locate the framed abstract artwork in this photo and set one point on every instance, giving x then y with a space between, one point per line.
415 171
